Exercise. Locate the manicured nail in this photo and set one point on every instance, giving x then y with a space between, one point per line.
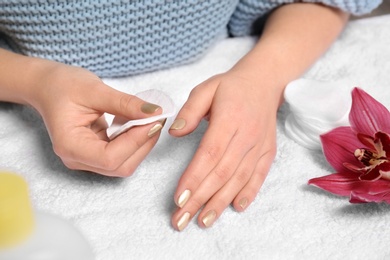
178 124
183 198
163 121
155 129
209 218
149 108
183 221
243 202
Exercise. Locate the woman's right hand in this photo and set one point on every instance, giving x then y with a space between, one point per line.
72 102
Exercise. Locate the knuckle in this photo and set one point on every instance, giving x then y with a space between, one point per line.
243 175
109 163
223 173
210 153
62 151
191 180
70 165
125 102
196 203
59 151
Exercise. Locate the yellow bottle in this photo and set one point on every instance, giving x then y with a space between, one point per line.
32 235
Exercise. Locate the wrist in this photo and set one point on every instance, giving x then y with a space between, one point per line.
21 76
263 74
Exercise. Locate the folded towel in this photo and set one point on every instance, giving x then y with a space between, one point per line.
130 218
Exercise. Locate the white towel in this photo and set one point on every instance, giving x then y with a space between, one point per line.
130 218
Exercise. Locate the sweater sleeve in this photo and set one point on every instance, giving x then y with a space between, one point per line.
355 7
250 11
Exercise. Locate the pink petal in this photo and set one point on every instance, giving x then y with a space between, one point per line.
357 197
344 183
337 183
385 141
367 141
355 168
367 115
339 146
372 175
384 170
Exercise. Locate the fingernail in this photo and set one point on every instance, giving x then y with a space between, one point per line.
149 108
155 129
163 121
183 221
183 198
178 124
243 202
208 220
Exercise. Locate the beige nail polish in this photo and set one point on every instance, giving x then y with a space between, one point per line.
243 202
209 218
149 108
183 198
178 124
154 130
183 221
163 121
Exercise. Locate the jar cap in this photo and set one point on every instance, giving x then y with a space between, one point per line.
16 215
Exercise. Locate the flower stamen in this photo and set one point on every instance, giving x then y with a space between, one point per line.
368 158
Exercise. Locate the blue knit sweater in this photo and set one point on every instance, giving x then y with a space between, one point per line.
118 38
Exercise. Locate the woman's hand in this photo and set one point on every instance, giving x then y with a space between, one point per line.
72 101
238 147
236 152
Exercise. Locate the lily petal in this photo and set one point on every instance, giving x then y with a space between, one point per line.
372 175
357 197
337 183
384 170
339 146
367 115
345 183
384 141
367 141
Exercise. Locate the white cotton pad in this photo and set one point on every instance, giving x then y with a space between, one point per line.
121 124
316 107
324 101
300 135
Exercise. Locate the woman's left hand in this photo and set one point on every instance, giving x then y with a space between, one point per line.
236 151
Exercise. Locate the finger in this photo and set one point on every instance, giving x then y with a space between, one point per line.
214 181
97 153
124 170
122 104
225 196
195 108
210 151
248 193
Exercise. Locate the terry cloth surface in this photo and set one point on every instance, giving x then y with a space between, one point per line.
130 218
119 38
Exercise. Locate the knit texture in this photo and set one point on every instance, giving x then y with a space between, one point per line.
248 11
119 38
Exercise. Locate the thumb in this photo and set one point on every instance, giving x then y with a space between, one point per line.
194 109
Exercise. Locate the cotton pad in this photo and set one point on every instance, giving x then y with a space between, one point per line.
316 107
323 101
121 124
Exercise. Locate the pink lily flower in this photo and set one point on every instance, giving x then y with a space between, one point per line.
360 153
